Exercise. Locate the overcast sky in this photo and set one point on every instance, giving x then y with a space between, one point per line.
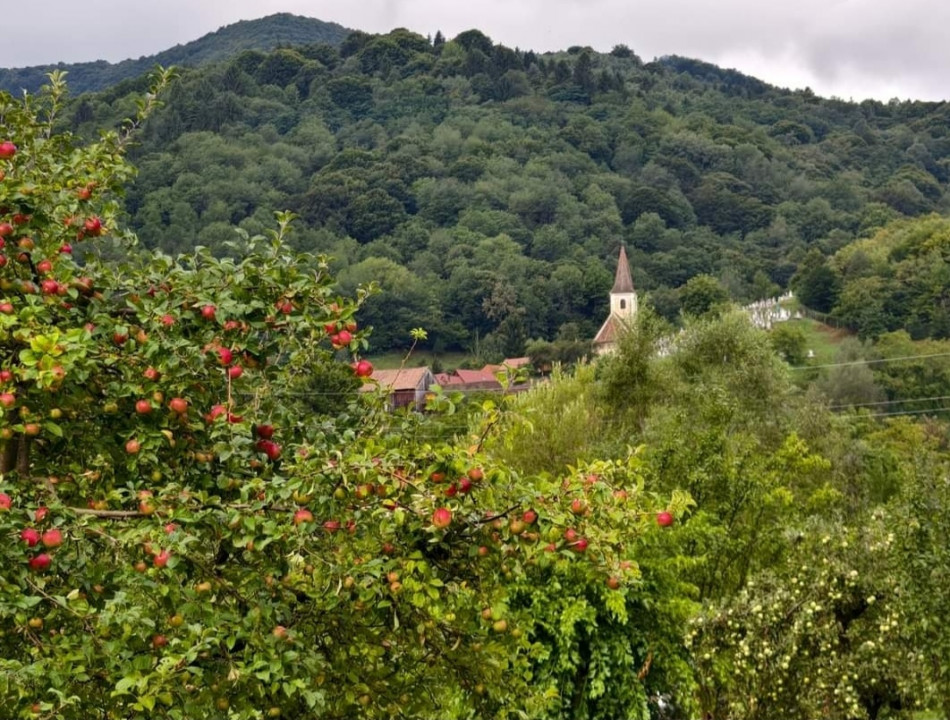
853 49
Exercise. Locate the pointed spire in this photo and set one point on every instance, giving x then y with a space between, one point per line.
623 283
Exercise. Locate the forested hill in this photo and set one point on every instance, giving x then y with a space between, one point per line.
263 34
488 189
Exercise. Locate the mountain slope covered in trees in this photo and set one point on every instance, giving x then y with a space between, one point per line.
487 189
264 34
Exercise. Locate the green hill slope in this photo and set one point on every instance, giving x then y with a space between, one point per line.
488 189
264 34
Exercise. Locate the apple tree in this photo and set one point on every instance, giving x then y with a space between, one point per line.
185 538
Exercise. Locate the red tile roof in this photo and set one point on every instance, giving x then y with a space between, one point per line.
405 379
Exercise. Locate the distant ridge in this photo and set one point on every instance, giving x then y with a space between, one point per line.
262 34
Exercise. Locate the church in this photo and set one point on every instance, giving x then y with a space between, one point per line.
623 308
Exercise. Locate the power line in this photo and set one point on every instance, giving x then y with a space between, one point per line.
870 362
888 402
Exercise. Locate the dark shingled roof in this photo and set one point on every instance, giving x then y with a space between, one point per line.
623 283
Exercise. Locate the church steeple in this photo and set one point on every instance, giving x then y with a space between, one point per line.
623 308
623 283
623 298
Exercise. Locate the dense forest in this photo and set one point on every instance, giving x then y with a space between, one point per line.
487 189
218 46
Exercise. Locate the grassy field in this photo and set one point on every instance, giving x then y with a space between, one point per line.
822 339
392 360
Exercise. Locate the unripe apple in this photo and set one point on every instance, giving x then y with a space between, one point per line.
442 518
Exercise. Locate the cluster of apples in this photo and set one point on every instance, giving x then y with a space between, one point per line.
33 538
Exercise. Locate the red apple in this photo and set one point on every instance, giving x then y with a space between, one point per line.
208 312
530 517
664 519
40 513
120 338
31 536
93 226
578 506
178 405
41 562
579 545
5 501
151 373
331 525
475 474
161 560
6 229
167 320
7 150
133 446
465 486
264 431
613 582
235 371
442 518
143 407
49 287
159 641
341 339
437 477
7 400
52 538
225 356
363 368
32 429
7 308
44 266
66 249
303 516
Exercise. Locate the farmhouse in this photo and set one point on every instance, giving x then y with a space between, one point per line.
407 386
